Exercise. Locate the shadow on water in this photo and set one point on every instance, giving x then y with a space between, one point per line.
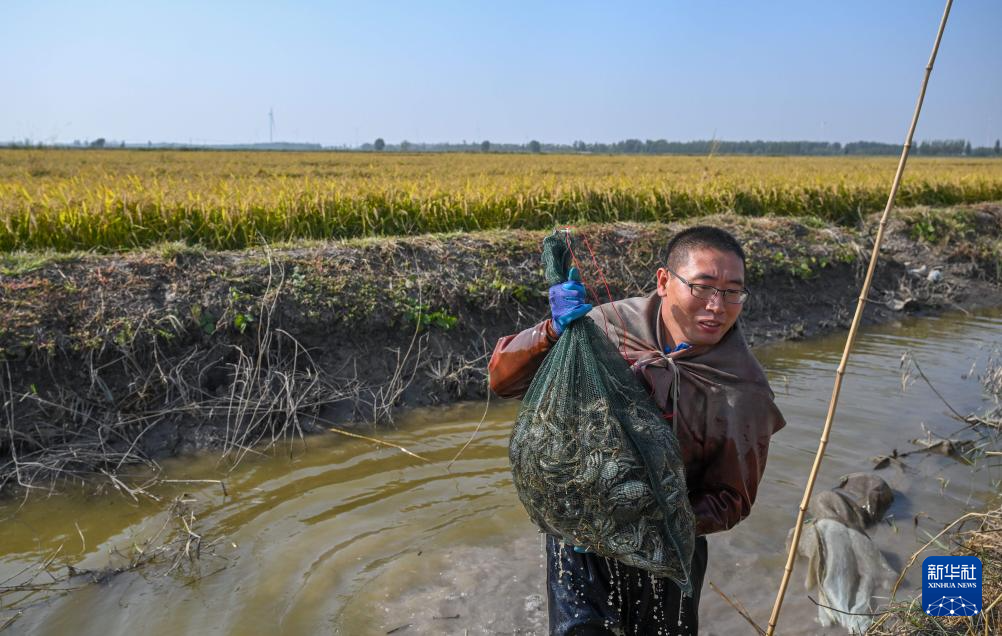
355 538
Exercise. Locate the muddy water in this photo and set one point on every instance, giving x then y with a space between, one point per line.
348 537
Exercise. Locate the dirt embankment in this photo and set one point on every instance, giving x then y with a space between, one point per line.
113 361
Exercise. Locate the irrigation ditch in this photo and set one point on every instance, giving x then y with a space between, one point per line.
110 363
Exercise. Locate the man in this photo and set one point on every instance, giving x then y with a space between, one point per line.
723 418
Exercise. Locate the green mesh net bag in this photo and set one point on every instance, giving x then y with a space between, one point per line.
593 460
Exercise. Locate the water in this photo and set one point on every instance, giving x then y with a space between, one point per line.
352 538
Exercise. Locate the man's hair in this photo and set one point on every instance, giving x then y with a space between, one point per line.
700 237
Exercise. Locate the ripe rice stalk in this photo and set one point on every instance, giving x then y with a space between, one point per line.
67 200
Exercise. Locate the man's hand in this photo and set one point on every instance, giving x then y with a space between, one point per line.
567 301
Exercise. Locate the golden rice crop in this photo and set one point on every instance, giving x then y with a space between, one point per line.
119 199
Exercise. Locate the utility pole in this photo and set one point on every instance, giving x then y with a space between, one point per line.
271 125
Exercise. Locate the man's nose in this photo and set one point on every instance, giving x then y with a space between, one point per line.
716 303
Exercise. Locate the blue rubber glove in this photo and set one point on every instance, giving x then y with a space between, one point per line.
567 301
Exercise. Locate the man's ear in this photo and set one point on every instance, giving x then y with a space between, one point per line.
663 278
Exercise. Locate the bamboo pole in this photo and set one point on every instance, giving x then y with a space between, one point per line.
851 339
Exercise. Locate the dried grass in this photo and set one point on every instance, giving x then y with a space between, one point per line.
177 548
984 542
992 381
274 392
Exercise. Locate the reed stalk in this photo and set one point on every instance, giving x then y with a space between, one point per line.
853 330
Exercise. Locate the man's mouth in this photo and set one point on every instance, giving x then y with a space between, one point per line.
709 325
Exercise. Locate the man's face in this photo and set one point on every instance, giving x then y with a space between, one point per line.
694 320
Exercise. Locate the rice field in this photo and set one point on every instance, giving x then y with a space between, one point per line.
108 200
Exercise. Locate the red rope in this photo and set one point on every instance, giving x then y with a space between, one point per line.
624 335
605 282
576 263
597 302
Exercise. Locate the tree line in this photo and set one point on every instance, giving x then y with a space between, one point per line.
931 148
935 147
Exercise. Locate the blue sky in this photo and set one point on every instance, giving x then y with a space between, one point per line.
345 73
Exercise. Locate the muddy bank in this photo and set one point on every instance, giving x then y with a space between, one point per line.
113 361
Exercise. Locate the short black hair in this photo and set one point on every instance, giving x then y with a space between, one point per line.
701 236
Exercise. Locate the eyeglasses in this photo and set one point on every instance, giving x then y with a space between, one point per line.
706 292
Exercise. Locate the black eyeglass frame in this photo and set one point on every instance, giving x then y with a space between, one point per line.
744 292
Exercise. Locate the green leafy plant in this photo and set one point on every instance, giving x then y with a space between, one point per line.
423 315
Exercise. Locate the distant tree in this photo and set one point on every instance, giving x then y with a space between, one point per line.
405 145
76 142
632 145
97 143
967 149
998 147
535 146
379 144
122 145
485 146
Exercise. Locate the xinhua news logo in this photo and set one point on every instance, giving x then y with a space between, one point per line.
951 585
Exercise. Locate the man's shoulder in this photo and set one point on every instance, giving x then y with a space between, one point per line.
636 316
634 305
